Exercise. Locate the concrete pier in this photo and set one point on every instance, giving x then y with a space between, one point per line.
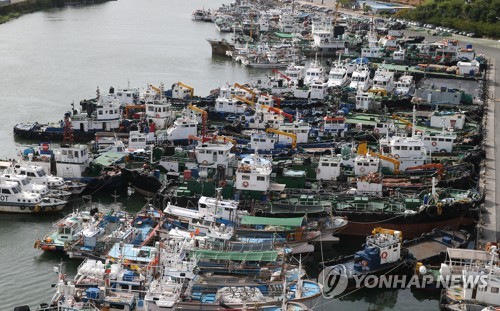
489 224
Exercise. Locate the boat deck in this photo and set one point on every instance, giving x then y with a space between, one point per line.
415 71
427 250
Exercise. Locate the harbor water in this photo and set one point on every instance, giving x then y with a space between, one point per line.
50 59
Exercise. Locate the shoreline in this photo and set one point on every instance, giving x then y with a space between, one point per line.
12 11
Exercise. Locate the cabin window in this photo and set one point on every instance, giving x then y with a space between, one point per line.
221 152
325 164
245 177
5 191
448 140
128 95
366 164
404 147
100 112
201 151
494 290
334 164
416 148
116 306
261 178
427 138
31 174
397 148
441 139
192 125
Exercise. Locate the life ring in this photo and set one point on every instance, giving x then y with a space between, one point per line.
204 162
318 171
434 143
358 126
362 169
32 208
245 184
390 156
383 255
222 183
396 156
45 147
376 130
23 208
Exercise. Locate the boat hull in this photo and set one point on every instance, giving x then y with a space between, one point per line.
411 230
31 209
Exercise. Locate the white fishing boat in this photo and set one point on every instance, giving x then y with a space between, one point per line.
338 75
14 200
26 185
405 85
480 281
315 73
360 79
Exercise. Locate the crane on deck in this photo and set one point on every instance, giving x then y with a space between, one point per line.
291 135
284 76
406 122
386 158
204 117
388 231
242 99
252 92
278 111
158 90
437 166
190 88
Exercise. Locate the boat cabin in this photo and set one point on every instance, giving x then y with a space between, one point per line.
214 154
300 128
329 167
182 128
253 173
366 164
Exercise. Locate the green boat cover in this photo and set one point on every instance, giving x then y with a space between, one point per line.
284 35
289 222
236 256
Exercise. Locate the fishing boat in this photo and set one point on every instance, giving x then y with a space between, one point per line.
338 75
65 230
480 281
43 190
438 208
382 254
315 73
14 200
360 79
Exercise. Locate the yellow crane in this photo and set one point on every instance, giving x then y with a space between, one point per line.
191 89
408 123
242 99
381 92
204 117
388 231
386 158
246 89
156 89
291 135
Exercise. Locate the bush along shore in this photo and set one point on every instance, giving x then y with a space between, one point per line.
478 16
11 11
